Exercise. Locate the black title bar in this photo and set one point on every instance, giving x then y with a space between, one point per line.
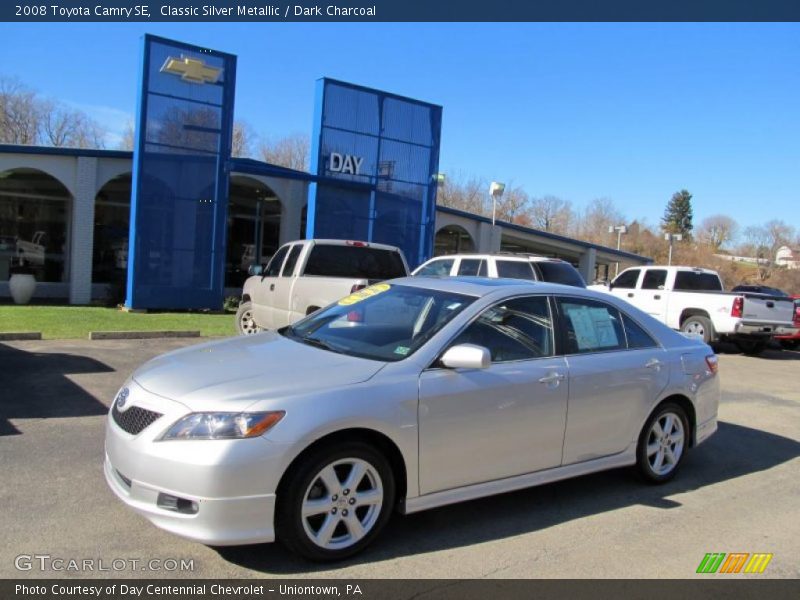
398 10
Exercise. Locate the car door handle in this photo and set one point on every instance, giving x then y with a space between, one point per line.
552 378
271 287
657 297
630 295
653 363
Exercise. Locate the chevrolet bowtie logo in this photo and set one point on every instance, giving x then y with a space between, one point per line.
191 70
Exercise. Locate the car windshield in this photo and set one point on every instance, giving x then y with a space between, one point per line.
383 322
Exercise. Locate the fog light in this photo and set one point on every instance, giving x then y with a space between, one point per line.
181 505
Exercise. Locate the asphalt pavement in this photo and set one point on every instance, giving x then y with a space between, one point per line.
738 492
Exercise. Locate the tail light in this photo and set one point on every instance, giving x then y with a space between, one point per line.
713 363
738 307
357 244
797 315
358 286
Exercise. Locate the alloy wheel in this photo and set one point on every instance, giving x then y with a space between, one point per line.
342 503
665 443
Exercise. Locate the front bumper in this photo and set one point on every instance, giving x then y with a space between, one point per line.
232 482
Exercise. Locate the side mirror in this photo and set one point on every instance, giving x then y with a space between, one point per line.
255 270
467 356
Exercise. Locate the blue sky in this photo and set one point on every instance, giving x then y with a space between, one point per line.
632 112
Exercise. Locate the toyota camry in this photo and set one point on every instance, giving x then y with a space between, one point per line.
404 396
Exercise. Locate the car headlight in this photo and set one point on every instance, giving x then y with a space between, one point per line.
222 425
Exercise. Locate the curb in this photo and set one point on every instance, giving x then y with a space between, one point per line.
140 335
22 335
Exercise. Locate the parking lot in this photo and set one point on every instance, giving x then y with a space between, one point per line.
737 493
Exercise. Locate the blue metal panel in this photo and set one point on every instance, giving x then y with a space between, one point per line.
391 144
179 197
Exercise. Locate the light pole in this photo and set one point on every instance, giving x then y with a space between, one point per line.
496 191
620 229
670 237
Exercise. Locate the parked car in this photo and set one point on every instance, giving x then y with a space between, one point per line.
692 300
515 266
448 389
792 341
306 275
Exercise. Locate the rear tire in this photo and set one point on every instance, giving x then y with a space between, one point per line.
335 501
701 326
663 443
245 322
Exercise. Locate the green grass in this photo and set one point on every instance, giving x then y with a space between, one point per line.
57 322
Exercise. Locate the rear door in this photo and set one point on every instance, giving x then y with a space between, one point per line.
616 371
651 297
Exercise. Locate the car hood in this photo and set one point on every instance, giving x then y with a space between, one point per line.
230 375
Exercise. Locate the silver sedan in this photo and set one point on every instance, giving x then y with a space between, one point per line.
406 395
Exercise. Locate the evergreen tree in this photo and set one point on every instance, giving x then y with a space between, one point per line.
678 215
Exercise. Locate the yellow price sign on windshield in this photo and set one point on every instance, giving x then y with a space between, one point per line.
364 294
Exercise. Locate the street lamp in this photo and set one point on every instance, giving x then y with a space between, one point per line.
620 229
496 191
670 237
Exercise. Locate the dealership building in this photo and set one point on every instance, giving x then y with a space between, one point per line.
177 222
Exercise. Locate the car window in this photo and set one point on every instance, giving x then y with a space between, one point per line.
654 279
591 326
697 281
358 262
627 280
437 268
515 269
517 329
385 322
472 266
637 337
559 272
274 266
291 260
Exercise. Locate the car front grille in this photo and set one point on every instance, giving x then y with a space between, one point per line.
135 419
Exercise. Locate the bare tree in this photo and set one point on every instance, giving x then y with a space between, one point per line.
599 215
550 213
26 118
470 195
717 230
291 151
20 113
128 137
243 138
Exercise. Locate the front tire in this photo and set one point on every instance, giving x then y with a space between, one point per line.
335 502
663 443
245 322
701 326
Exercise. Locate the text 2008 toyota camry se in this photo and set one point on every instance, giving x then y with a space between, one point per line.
406 395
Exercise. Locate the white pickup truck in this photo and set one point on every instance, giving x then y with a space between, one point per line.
692 300
306 275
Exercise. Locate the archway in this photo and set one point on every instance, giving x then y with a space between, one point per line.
452 239
34 224
112 213
254 227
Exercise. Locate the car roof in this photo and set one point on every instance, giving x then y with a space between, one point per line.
484 286
521 256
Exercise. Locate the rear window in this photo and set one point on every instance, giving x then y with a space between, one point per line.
559 272
357 262
693 281
515 269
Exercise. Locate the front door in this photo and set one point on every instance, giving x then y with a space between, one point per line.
508 419
264 293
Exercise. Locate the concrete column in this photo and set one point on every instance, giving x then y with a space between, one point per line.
586 264
82 231
292 212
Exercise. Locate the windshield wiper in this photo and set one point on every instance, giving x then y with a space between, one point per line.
318 343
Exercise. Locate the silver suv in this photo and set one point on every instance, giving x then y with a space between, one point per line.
512 266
